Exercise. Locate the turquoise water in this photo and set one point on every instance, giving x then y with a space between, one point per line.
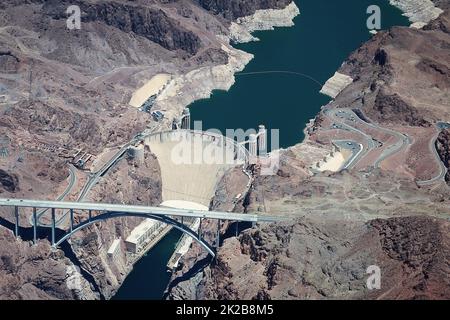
324 35
149 277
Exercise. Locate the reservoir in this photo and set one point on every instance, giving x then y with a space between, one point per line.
324 35
278 88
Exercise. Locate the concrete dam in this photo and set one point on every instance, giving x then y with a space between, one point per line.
193 162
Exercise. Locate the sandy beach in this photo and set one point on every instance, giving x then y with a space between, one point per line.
333 163
150 88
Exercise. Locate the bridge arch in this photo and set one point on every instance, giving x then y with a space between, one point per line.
110 215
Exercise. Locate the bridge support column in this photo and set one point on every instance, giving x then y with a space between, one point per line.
34 225
71 220
186 120
182 220
16 227
237 228
53 226
90 215
200 229
262 140
218 234
253 148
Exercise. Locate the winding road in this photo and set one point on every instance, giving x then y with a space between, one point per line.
93 179
442 167
72 182
332 114
403 141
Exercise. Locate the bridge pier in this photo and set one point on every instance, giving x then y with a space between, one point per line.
109 211
186 119
237 228
16 227
71 220
53 226
35 222
253 147
218 234
262 140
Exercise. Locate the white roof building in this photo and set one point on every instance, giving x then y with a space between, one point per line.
114 248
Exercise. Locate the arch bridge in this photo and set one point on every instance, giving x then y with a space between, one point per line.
173 217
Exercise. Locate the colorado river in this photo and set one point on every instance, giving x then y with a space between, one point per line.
280 89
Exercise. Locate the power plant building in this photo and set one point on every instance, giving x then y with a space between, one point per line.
114 250
142 235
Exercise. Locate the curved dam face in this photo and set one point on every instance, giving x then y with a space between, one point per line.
193 162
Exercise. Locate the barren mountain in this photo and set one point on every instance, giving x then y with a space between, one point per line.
65 91
372 215
329 259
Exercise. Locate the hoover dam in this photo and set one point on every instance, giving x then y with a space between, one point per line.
323 149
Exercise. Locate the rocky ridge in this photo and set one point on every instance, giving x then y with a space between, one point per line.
74 86
419 12
114 71
348 221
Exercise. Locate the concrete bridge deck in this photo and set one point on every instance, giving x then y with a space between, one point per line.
173 217
137 209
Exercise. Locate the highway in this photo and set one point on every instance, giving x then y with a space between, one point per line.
334 114
44 204
442 167
355 148
403 142
72 181
93 177
345 113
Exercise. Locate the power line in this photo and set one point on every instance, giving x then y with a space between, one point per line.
281 72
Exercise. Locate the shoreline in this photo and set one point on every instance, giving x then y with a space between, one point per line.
419 12
199 84
262 20
185 290
184 89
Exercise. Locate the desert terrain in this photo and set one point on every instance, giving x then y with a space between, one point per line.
70 93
